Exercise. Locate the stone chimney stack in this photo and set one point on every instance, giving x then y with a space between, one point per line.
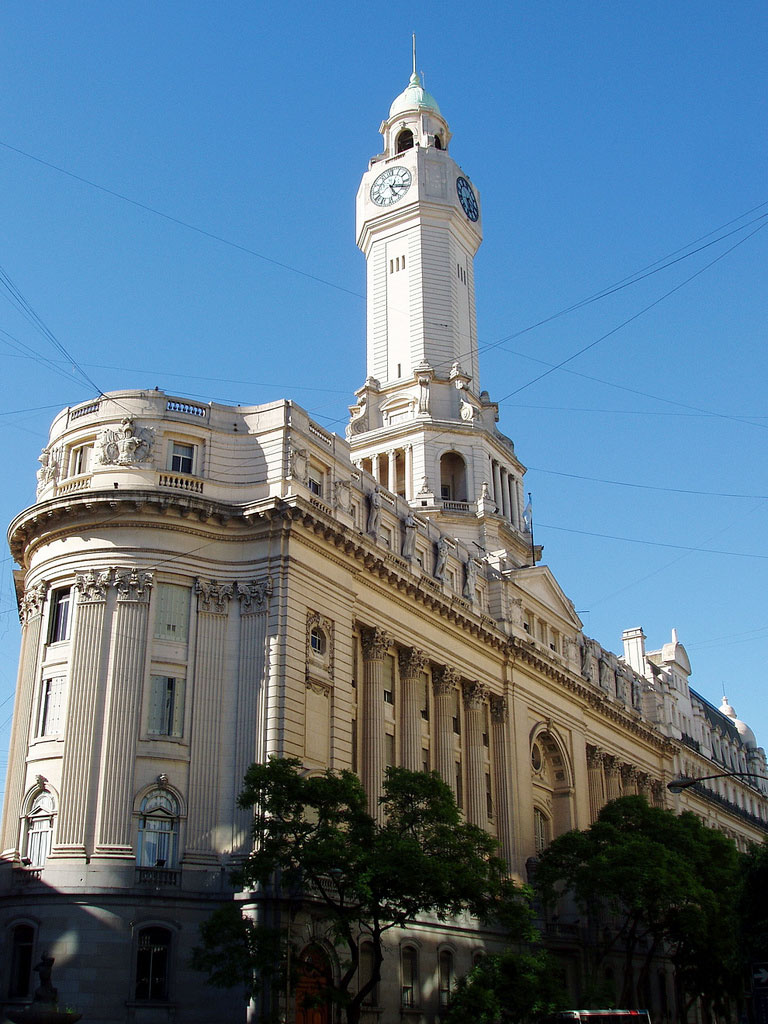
634 649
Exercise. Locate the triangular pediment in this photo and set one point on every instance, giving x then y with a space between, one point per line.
539 584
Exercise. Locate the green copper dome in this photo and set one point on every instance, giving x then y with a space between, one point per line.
414 97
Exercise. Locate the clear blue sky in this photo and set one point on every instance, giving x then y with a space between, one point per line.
602 136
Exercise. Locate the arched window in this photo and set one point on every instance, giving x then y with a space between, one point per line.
317 640
152 961
438 143
409 966
365 973
22 947
453 477
158 830
404 141
39 830
445 976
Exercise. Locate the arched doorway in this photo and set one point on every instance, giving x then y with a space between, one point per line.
314 977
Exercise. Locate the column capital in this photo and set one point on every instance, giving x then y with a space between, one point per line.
376 643
412 661
444 680
499 709
253 595
474 694
610 763
214 596
92 585
595 757
32 602
133 585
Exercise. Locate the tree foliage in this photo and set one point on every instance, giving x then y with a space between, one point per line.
508 988
649 882
315 840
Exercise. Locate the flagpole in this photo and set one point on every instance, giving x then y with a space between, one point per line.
530 514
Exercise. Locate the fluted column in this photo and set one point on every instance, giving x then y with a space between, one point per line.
628 780
392 470
513 510
375 468
503 809
249 739
497 485
412 664
409 472
124 687
595 781
611 769
83 722
505 493
375 644
475 696
31 615
644 785
205 746
444 681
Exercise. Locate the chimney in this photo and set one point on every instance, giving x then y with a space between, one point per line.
634 649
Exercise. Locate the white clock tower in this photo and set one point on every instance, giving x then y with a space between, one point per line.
421 425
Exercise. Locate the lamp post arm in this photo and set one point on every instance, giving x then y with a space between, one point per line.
678 785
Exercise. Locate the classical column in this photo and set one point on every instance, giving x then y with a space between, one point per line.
475 696
83 722
375 643
644 785
409 472
628 780
412 663
444 681
657 793
125 679
249 739
392 470
497 485
505 493
31 615
375 468
595 781
205 745
611 769
513 510
499 718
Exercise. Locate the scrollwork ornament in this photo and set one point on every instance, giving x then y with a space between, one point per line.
214 596
253 596
297 463
474 694
444 680
32 602
127 445
376 644
499 709
92 586
133 585
412 661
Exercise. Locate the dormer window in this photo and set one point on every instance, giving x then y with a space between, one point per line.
404 141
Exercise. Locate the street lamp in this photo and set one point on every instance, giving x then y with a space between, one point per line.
678 785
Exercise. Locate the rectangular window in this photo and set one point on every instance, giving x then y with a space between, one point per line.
80 460
50 719
59 622
389 679
166 706
425 696
171 612
315 481
182 457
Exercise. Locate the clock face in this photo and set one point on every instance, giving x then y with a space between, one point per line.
390 186
467 198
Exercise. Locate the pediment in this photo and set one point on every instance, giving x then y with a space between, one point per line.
539 584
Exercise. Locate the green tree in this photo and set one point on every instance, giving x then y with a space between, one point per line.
314 838
652 883
508 988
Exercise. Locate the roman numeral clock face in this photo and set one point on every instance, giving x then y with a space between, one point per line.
390 186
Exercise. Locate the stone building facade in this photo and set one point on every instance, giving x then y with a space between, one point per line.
202 586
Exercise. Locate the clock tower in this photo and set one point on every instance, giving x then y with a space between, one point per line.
421 424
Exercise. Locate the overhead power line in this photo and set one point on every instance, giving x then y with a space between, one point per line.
652 543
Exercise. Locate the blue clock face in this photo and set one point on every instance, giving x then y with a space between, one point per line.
467 198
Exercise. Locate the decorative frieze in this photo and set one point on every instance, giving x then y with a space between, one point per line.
214 596
128 445
133 585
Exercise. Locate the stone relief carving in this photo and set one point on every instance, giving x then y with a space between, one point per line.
409 536
32 602
297 463
342 495
423 404
467 410
499 709
133 585
444 680
128 445
253 596
412 661
474 694
320 659
374 511
470 578
358 422
441 559
50 465
214 596
376 644
585 646
93 585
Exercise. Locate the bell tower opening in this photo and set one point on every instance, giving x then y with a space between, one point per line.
453 477
404 141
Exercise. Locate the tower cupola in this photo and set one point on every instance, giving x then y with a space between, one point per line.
414 119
